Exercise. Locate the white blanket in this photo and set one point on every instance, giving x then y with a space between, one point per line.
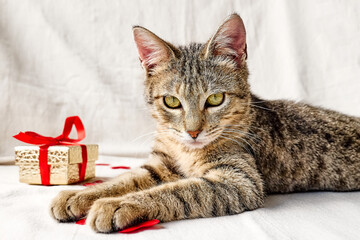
63 58
24 214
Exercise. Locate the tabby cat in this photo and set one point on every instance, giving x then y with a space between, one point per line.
219 148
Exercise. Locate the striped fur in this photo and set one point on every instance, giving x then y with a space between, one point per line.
246 147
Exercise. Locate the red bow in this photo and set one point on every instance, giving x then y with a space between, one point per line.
63 139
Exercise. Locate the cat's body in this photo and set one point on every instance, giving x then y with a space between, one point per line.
219 148
306 148
326 157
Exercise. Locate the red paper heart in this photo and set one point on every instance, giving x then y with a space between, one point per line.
133 229
120 167
81 221
146 224
92 183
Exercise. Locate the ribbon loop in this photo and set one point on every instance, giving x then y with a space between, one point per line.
69 123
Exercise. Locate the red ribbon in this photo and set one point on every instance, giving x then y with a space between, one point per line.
63 139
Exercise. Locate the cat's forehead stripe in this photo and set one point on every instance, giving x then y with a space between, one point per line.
189 64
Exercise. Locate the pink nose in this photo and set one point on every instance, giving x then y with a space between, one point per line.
194 134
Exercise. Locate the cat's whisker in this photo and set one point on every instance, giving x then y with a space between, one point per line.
258 101
151 137
265 108
151 134
252 140
146 140
235 125
240 131
141 136
253 104
251 137
231 135
213 131
239 143
245 134
242 125
174 130
146 134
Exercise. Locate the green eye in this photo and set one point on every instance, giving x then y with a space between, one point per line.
215 99
172 102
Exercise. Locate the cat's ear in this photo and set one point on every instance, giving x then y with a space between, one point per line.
229 40
153 51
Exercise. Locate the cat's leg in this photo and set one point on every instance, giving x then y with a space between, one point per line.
72 205
226 188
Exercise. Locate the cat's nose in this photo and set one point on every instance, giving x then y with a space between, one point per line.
194 134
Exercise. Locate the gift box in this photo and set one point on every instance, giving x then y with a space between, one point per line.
56 160
65 163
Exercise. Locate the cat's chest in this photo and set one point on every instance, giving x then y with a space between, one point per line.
191 163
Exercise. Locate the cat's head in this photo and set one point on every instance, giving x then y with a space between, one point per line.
197 93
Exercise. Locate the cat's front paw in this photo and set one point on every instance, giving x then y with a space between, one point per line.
71 205
113 214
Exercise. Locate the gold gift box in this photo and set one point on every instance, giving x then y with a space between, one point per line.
63 160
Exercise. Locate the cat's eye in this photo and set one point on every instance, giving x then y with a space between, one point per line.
215 100
172 102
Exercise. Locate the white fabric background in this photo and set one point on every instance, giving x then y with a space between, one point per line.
62 58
